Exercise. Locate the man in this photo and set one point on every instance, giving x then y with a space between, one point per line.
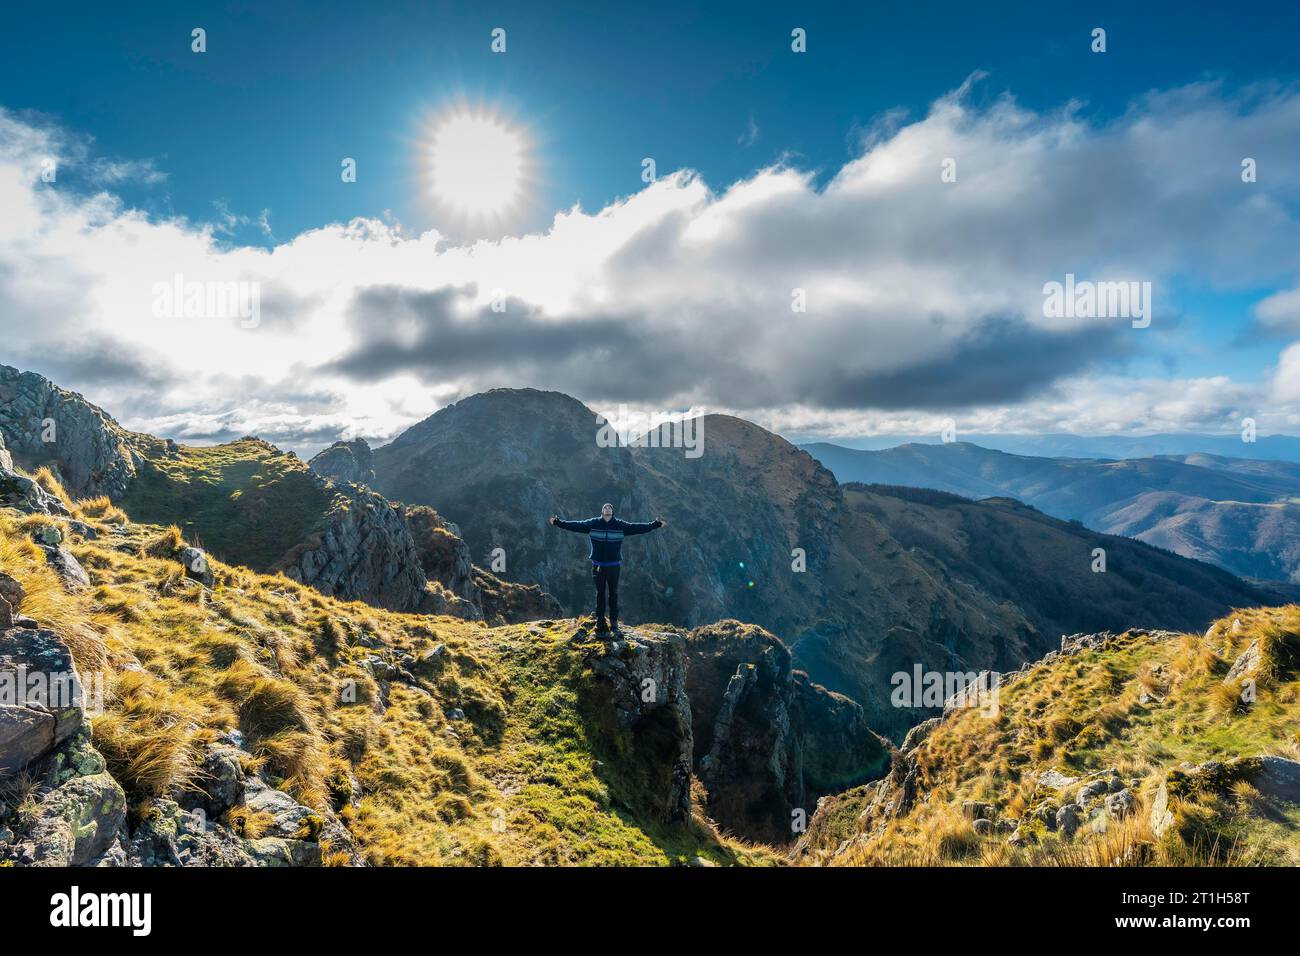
606 534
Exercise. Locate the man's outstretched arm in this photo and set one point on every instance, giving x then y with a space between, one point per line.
641 527
571 525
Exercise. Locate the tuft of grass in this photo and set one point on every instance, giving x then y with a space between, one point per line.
51 482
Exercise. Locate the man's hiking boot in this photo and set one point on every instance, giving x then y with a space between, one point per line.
601 626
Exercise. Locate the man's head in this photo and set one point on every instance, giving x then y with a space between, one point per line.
607 511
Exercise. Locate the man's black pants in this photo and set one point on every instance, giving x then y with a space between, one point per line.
606 579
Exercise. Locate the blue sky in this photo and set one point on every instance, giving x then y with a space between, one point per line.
285 87
259 122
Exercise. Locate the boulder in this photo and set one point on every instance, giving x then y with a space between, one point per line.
1120 803
195 562
1278 778
1246 664
67 567
1056 780
78 821
37 675
1161 816
1068 819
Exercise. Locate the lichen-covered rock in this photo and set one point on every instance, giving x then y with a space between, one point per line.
78 821
196 565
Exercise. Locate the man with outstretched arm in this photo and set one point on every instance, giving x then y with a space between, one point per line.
606 534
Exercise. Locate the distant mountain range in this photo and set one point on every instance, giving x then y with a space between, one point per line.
1264 448
1242 515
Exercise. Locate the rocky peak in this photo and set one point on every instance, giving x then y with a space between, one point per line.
45 424
346 461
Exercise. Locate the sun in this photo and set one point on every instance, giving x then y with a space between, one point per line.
479 167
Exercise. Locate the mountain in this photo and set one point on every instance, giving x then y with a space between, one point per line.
1242 515
892 578
1129 749
1265 447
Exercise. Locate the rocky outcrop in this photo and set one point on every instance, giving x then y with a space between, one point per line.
45 424
345 461
507 602
41 703
643 683
22 493
769 741
364 553
444 555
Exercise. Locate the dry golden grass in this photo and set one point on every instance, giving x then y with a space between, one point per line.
1086 713
516 782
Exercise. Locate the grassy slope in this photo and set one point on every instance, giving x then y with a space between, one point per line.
243 500
536 774
1083 713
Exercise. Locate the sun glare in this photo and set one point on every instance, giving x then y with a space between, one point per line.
478 168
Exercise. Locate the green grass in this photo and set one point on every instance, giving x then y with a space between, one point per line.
243 501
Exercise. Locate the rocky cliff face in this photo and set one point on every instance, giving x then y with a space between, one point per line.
364 552
45 424
769 742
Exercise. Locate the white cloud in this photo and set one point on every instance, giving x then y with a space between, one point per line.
924 297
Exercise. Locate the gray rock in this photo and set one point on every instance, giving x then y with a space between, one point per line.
95 455
647 694
1161 816
289 817
1056 780
1068 819
77 821
982 826
919 733
1093 789
364 553
195 562
1120 803
50 535
67 567
46 712
1278 778
974 810
1247 663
